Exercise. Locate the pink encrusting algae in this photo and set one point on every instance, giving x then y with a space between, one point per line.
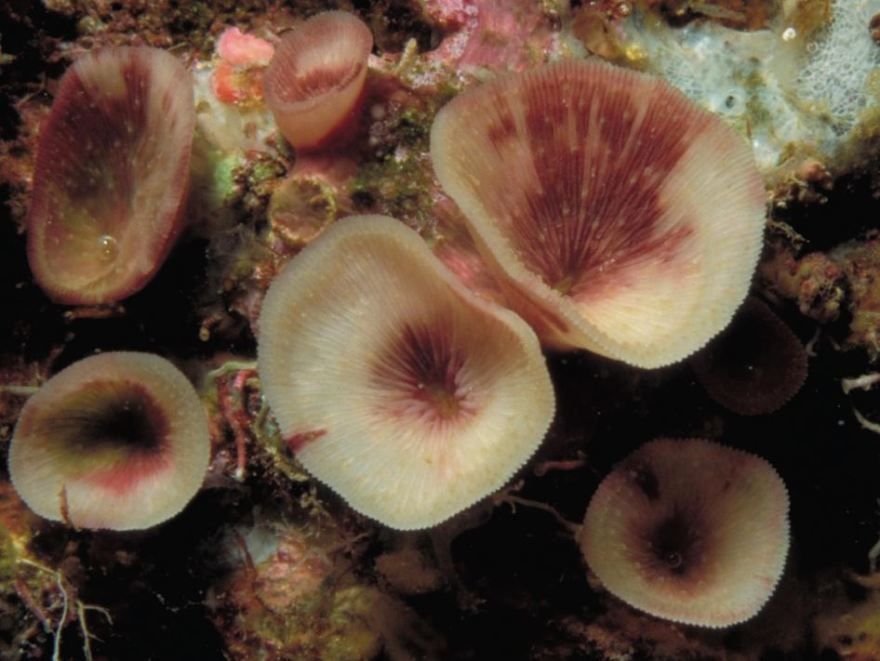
111 176
242 60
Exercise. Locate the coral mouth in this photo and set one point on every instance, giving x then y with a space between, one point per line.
423 374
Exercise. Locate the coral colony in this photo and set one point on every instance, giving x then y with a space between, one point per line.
418 286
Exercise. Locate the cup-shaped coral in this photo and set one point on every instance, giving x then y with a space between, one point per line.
111 175
619 217
689 531
756 365
315 79
118 440
395 385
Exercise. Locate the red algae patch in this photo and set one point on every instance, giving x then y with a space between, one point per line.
756 365
118 440
396 386
111 175
618 216
689 531
314 82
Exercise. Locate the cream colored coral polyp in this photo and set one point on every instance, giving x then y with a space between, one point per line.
334 311
40 467
746 526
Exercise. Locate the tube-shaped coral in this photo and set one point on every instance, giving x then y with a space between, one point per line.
314 82
111 175
395 385
618 216
118 440
689 531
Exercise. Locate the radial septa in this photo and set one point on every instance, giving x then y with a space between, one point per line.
111 175
315 79
405 393
689 531
627 219
756 365
118 440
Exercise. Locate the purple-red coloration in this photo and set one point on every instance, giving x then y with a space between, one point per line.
298 441
118 440
120 480
591 235
422 374
599 200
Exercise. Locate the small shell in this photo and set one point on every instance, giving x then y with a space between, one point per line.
405 393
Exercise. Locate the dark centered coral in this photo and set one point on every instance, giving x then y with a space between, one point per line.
689 531
117 440
108 415
407 394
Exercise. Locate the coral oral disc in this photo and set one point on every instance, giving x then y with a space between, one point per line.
618 216
111 176
118 440
404 392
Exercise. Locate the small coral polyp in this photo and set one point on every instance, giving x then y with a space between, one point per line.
689 531
314 83
617 215
117 440
111 175
756 365
395 385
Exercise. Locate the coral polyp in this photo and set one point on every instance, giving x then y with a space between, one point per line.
617 216
393 384
315 79
689 531
381 424
117 440
111 176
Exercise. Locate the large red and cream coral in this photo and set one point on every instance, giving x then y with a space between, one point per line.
618 216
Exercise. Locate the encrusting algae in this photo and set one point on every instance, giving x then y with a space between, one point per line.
389 474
